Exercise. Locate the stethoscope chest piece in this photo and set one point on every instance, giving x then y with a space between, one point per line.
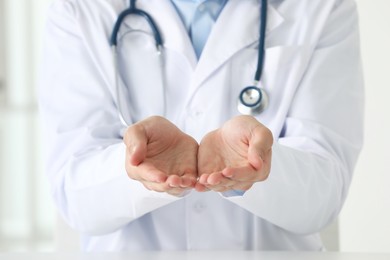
252 101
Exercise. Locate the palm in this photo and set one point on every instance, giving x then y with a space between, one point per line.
221 149
234 156
171 151
161 156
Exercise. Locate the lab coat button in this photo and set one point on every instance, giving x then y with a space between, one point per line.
197 113
199 207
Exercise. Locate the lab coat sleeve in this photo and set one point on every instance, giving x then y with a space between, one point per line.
314 158
86 166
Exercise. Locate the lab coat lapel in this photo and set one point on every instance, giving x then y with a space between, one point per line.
174 33
236 28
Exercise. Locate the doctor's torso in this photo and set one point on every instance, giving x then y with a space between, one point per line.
198 96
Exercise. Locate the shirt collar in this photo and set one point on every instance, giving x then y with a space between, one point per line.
187 9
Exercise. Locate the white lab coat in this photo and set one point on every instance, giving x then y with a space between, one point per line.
314 79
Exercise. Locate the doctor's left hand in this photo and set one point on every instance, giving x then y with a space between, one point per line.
235 156
160 156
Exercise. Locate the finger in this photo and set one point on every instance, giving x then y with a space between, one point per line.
160 187
182 182
157 187
242 186
203 178
174 181
188 180
176 192
237 186
200 187
148 173
219 183
243 174
220 188
215 179
261 162
260 145
218 179
163 187
224 185
136 142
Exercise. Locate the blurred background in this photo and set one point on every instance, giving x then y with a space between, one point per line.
26 212
28 220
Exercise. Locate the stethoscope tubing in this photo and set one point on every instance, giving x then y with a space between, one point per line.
263 30
133 11
243 107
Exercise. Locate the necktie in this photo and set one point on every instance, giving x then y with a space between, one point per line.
202 22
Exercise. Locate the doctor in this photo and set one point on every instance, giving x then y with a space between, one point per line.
187 171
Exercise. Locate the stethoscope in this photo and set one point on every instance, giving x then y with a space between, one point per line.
252 100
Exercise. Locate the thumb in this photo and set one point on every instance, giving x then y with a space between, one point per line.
259 146
136 142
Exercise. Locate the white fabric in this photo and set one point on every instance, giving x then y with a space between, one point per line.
314 79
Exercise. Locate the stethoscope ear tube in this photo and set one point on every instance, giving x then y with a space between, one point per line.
133 10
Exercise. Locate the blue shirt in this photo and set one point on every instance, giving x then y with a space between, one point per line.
198 17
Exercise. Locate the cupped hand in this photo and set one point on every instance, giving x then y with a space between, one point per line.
160 156
235 156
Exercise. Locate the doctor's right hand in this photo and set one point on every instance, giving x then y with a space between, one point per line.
161 156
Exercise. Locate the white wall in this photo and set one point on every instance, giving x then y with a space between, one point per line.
2 63
365 219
